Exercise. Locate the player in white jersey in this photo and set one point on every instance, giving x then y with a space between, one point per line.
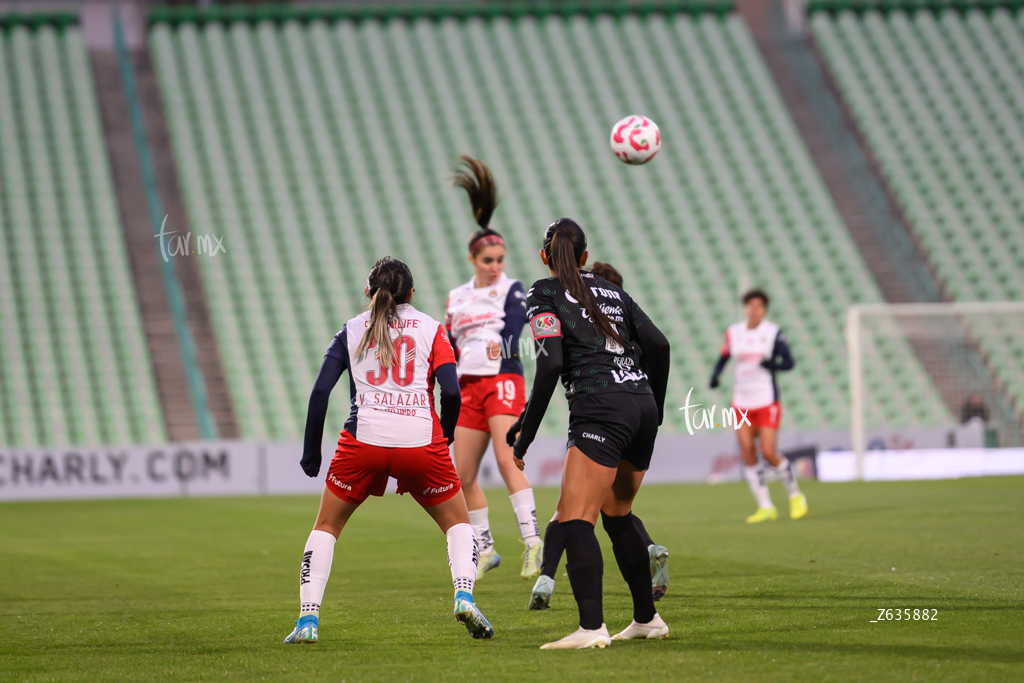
484 318
760 350
393 354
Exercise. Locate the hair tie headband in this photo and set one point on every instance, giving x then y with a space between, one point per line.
485 241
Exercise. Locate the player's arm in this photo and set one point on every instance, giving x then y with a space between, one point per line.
335 363
547 336
781 358
723 358
657 359
448 328
515 318
442 360
451 399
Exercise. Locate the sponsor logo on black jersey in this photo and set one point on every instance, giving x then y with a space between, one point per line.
595 437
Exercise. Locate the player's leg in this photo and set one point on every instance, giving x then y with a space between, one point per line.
520 494
769 446
658 555
585 485
470 446
551 556
628 543
317 557
754 475
631 554
452 516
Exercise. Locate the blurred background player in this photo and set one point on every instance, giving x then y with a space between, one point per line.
760 351
484 319
554 543
592 334
393 354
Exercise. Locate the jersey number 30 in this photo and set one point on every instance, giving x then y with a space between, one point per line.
401 372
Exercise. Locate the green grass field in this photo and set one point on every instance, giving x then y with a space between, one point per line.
206 589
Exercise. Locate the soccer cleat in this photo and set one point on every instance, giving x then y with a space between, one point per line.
469 615
487 562
763 515
655 628
531 561
305 630
659 570
797 506
540 598
582 639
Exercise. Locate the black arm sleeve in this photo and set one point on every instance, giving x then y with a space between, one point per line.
549 368
451 399
720 365
781 358
657 358
335 363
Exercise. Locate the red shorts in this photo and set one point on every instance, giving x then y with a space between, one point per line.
766 416
485 397
360 470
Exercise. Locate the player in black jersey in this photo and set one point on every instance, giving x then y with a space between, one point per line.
554 542
592 335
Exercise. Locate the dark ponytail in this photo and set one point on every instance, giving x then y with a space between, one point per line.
564 244
388 286
478 182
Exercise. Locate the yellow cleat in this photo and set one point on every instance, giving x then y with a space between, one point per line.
797 506
763 515
532 558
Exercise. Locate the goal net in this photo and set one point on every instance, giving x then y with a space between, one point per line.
936 365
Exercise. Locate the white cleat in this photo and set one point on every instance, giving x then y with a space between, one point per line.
582 639
655 628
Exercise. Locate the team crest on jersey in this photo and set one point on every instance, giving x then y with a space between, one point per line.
546 325
493 293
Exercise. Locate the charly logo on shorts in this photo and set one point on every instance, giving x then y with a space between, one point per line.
595 437
430 489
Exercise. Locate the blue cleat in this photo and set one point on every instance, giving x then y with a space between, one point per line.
305 630
540 598
468 614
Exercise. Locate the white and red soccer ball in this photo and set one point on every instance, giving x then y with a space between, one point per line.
635 139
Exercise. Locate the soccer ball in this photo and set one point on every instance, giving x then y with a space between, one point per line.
635 139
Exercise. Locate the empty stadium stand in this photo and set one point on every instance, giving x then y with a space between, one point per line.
939 96
317 145
74 366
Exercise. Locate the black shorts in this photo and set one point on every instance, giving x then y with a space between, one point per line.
613 427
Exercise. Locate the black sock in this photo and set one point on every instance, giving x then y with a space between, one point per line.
554 546
634 563
585 565
643 531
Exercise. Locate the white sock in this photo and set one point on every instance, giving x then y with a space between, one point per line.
482 530
526 515
788 476
755 480
316 569
463 556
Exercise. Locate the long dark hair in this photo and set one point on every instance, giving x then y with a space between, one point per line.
564 244
388 286
608 272
478 182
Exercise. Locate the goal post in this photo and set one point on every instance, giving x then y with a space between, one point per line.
932 364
